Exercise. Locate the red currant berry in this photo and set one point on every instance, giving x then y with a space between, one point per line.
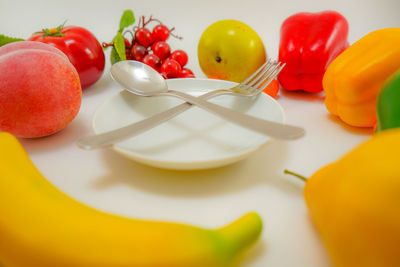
160 33
186 71
188 75
129 56
138 52
153 45
161 49
153 61
171 68
127 44
144 37
180 56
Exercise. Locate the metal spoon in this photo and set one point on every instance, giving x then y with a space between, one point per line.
143 80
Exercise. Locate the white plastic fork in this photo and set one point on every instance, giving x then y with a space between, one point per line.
252 86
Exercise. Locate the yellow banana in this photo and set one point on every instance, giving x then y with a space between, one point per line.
40 226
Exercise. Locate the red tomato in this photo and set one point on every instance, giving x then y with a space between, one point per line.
81 48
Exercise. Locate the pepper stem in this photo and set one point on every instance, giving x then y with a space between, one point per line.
295 174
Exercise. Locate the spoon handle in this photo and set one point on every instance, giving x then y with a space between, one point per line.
270 128
114 136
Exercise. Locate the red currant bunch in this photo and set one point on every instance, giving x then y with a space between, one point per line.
151 48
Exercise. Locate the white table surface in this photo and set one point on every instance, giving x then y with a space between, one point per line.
209 198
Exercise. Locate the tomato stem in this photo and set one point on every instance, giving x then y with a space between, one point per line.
53 31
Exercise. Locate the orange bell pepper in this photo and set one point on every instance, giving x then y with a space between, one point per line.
354 79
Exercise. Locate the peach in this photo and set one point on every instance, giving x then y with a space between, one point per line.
30 45
40 91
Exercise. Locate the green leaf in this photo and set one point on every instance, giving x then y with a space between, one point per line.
5 39
119 45
114 58
127 19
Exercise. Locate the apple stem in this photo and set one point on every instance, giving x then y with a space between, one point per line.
295 174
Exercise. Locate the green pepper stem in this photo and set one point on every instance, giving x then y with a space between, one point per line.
295 174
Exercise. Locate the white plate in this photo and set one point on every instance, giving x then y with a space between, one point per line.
195 139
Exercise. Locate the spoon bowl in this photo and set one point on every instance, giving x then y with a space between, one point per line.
138 78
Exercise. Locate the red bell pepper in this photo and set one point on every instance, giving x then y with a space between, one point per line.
309 42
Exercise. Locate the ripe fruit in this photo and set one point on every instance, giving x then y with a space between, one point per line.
272 89
138 52
354 203
160 33
144 37
40 91
171 68
149 47
81 47
43 227
161 49
30 45
127 43
180 56
230 50
185 73
153 61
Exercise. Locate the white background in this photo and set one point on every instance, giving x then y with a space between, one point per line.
209 198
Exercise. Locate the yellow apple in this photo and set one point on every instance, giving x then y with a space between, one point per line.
230 50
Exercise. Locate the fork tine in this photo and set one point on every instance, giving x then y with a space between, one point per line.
267 79
272 76
256 73
267 74
254 87
258 82
249 82
262 77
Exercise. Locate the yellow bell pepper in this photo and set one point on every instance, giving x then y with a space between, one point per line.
353 80
355 204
